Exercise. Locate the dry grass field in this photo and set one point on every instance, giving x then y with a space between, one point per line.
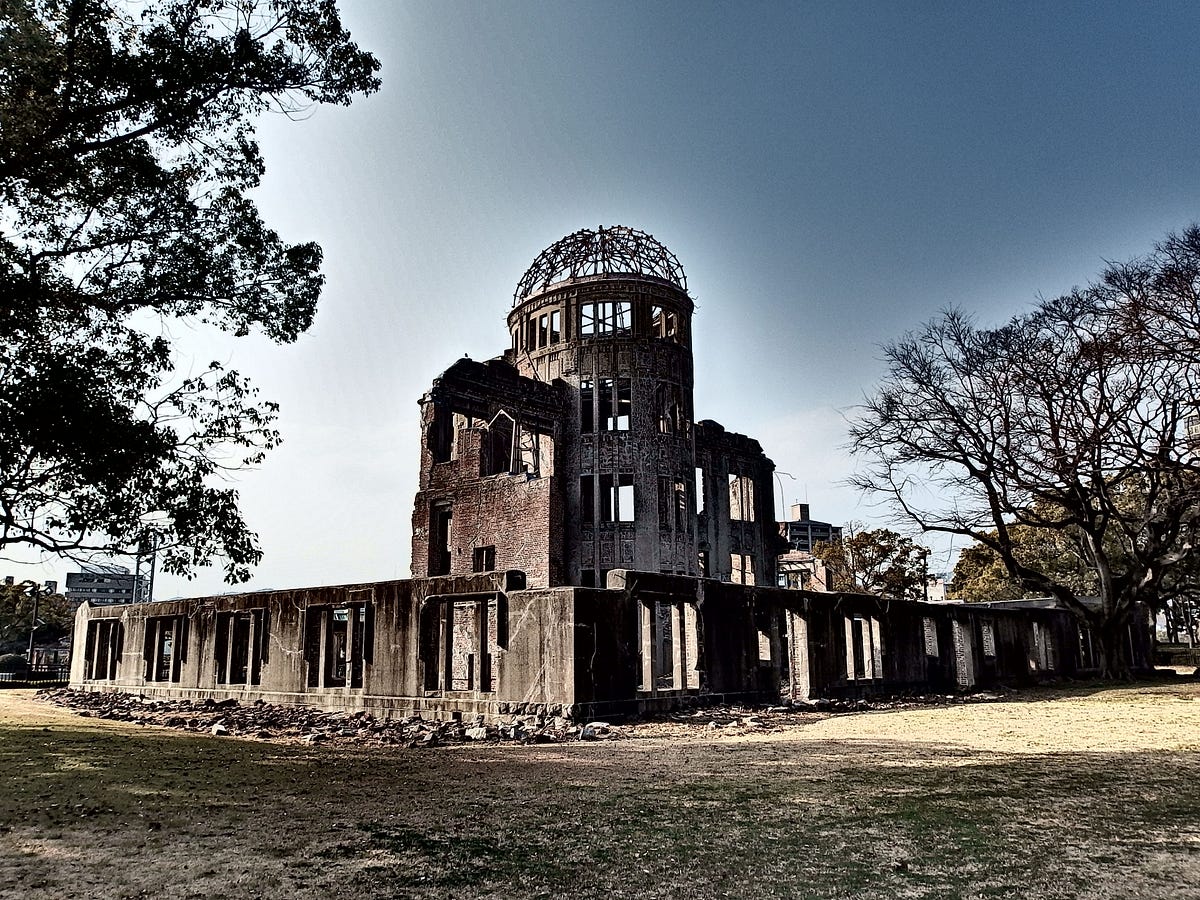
1080 792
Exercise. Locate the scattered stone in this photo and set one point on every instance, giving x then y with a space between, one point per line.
521 722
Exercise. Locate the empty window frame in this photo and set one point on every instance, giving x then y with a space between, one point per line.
440 436
763 627
165 648
460 641
338 640
616 497
540 330
664 323
665 497
864 648
528 460
483 559
441 527
672 504
605 317
587 498
741 568
741 498
669 409
498 446
587 407
616 403
102 652
699 491
242 646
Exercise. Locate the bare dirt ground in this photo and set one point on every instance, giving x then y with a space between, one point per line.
1086 791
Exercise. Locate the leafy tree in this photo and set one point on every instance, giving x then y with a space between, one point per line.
878 561
55 615
1067 421
980 574
127 153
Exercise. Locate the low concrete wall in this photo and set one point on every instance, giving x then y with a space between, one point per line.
484 645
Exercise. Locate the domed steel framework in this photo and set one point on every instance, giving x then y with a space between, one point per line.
605 251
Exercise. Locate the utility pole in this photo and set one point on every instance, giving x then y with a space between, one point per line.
33 624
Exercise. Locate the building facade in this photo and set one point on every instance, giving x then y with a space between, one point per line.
582 546
577 452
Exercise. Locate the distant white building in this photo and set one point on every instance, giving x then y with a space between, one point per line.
936 586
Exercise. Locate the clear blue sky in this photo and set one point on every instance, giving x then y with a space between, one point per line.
829 175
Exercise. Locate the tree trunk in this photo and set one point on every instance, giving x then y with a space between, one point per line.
1113 646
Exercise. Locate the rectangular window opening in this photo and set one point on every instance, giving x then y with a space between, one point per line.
440 437
663 323
529 459
498 446
483 559
742 568
166 647
587 498
441 518
338 641
102 654
242 639
616 403
741 498
587 409
624 511
605 317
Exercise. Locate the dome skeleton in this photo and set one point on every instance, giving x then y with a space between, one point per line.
605 251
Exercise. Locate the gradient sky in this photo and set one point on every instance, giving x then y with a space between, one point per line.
829 175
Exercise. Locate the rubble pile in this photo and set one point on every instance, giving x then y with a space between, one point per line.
312 726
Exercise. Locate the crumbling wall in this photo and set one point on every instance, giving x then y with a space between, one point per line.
738 538
491 494
386 646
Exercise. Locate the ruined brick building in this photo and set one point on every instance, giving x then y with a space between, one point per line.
581 546
577 451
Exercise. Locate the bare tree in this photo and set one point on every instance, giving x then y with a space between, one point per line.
1069 419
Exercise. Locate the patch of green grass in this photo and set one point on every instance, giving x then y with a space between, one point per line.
115 811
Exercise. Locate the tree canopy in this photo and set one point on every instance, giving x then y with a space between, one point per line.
54 615
127 155
877 561
1069 421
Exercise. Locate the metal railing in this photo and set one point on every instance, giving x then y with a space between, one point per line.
36 676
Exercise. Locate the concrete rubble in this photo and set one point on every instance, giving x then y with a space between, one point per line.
310 726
